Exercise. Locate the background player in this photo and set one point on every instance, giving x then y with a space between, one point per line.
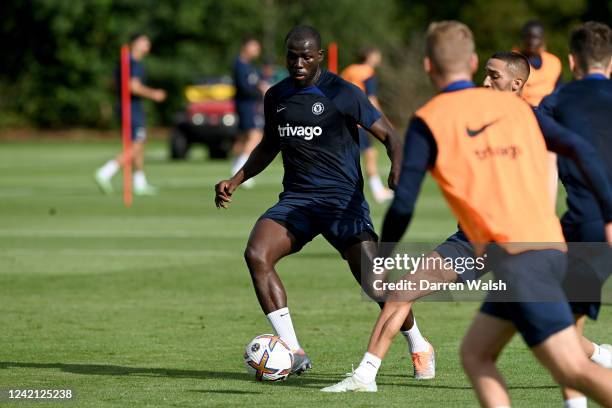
584 107
363 75
544 77
450 63
140 46
312 119
249 91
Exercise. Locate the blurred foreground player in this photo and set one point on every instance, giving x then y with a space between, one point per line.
312 119
487 154
363 75
505 71
140 46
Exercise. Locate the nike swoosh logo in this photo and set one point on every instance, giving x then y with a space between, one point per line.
474 133
284 314
280 108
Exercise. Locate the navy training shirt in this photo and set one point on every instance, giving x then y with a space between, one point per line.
584 106
246 79
137 107
316 129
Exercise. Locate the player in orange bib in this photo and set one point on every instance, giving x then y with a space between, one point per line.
545 67
487 153
363 75
544 77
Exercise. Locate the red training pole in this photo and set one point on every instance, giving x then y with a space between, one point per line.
126 128
332 58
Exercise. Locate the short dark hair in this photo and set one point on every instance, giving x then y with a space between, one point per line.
365 52
530 25
303 33
247 38
591 45
517 62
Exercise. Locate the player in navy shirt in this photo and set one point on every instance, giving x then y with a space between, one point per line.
249 91
584 106
140 46
311 118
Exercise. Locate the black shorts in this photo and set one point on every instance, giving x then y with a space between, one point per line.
589 266
458 246
306 218
535 302
249 116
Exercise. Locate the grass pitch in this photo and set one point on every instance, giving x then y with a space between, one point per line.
152 306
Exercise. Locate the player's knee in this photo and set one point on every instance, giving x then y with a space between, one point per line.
254 258
573 374
472 356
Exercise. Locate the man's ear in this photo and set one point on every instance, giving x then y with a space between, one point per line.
571 61
427 65
321 54
474 62
517 84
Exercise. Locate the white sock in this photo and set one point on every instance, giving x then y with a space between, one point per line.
109 169
416 341
239 162
376 184
283 326
601 356
140 181
578 402
368 368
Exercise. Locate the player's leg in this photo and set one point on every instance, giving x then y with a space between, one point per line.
562 355
139 138
254 136
268 243
421 351
104 174
573 398
480 349
245 146
249 139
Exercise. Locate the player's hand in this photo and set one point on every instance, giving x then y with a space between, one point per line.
159 95
394 176
223 193
609 233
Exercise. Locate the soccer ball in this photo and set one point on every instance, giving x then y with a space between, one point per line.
268 358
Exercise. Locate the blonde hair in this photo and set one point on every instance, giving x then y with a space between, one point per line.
449 45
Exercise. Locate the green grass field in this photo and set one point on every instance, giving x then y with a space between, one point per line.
153 305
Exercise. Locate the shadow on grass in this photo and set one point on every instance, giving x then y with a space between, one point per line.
310 380
231 392
119 371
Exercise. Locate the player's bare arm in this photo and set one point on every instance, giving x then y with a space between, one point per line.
139 89
384 131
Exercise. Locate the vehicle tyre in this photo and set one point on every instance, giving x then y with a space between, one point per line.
179 145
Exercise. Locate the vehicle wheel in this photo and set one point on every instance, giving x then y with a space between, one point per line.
217 151
179 145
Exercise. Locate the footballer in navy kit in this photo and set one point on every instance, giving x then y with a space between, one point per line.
311 118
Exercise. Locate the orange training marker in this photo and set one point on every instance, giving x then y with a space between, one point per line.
332 58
